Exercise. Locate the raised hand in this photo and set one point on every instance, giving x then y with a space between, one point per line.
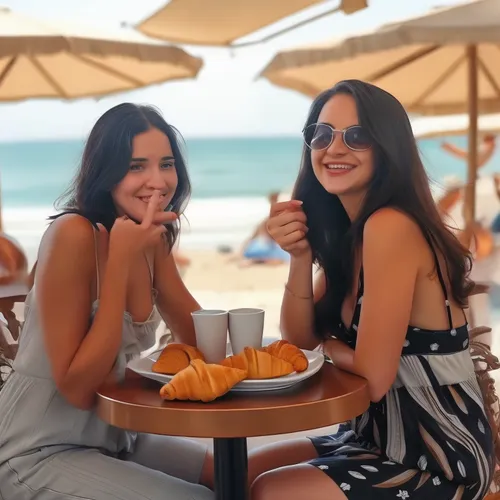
287 226
130 238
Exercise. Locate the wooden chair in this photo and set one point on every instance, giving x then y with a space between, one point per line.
484 363
11 325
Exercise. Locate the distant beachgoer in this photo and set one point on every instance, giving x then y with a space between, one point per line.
486 150
260 248
495 225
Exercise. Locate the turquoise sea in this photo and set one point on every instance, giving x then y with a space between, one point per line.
35 173
231 178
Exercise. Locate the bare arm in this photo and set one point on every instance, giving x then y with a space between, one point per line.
174 301
81 357
297 309
390 266
454 150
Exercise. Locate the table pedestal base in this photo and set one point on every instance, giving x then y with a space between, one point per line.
231 468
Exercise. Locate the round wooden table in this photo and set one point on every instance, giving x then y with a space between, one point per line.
329 397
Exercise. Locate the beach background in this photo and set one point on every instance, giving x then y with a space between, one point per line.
231 178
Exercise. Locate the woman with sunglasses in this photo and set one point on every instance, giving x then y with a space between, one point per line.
387 304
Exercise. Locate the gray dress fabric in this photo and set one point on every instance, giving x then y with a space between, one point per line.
50 450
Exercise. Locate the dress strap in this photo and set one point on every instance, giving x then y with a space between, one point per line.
361 282
150 267
441 281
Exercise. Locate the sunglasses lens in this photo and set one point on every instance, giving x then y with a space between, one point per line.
318 136
358 138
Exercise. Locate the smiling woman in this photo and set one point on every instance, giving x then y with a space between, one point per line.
388 305
105 277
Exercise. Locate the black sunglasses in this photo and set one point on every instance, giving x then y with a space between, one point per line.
320 136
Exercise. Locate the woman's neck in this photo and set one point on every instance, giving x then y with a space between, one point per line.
352 203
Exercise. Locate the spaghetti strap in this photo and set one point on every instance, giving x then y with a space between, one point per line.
443 285
96 264
150 267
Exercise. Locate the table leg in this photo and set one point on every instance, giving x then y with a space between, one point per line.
231 468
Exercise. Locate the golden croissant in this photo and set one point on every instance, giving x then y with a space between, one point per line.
285 350
258 364
202 382
176 357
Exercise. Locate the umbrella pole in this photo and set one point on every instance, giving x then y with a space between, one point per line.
470 190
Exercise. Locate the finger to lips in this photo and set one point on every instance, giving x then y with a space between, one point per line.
151 209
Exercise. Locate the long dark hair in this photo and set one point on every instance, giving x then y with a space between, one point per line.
106 161
399 181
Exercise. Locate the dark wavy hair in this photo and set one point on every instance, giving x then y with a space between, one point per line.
399 181
106 161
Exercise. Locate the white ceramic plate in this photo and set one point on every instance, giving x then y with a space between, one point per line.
142 366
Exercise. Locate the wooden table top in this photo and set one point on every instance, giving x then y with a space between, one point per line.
331 396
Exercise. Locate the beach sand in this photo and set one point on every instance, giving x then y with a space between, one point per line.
218 282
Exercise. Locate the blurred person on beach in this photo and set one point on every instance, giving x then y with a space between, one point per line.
260 248
105 277
486 150
454 193
387 304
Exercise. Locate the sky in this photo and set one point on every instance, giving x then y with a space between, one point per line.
225 99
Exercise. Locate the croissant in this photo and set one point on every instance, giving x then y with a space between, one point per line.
258 364
285 350
202 382
175 357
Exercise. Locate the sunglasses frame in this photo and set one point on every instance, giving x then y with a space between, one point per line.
334 131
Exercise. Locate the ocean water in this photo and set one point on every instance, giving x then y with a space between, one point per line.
230 177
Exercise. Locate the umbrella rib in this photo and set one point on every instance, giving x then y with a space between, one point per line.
47 76
402 62
489 76
107 69
438 82
8 68
285 30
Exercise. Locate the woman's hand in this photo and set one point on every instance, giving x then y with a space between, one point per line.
287 226
128 239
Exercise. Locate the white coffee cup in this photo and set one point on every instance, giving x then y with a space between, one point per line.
210 327
246 328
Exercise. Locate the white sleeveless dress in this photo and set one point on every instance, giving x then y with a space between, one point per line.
50 450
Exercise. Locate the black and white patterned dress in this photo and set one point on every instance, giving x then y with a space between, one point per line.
429 437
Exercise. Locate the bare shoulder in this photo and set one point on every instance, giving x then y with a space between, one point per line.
389 225
69 236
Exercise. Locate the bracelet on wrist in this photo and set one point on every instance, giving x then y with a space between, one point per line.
287 288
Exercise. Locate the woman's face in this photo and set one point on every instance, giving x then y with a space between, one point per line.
152 167
340 170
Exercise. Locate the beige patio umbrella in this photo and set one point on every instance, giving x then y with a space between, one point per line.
427 127
64 60
447 61
221 22
67 61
